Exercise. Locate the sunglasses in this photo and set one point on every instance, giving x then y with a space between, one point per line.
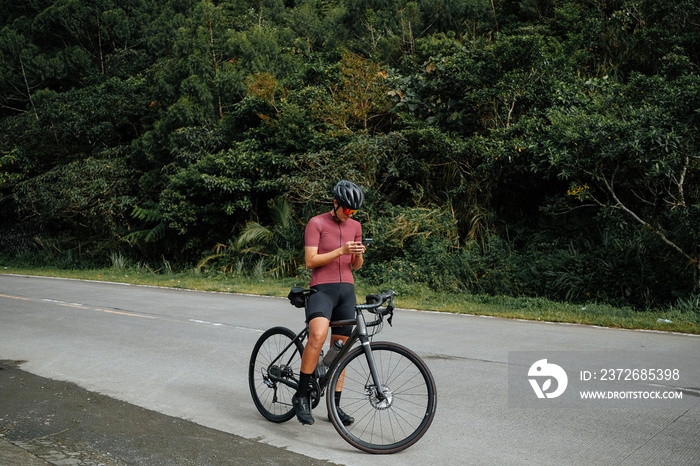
349 212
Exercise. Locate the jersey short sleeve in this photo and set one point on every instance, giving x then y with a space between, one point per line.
327 234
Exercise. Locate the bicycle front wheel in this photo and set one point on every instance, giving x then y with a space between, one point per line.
400 416
273 373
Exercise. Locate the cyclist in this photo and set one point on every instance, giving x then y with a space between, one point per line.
333 249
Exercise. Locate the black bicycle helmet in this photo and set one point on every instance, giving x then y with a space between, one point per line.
349 195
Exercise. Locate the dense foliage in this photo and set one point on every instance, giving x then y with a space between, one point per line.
524 148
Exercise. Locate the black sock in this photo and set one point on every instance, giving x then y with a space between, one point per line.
337 398
304 380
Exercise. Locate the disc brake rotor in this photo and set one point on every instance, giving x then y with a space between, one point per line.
381 404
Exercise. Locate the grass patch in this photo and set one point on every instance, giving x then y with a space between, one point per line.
684 320
540 309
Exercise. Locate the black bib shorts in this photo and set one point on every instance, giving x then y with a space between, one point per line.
334 301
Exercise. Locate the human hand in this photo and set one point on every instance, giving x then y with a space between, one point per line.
353 247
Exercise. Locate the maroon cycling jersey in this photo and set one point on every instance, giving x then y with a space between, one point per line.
328 234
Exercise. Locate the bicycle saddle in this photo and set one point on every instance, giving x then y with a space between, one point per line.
298 296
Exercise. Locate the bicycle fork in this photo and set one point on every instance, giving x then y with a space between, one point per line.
383 399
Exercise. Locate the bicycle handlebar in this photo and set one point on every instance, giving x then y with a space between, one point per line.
375 301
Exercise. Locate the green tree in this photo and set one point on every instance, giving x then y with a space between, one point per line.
358 99
24 71
278 246
628 152
205 200
84 202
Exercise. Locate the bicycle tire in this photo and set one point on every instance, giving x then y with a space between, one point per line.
271 395
384 426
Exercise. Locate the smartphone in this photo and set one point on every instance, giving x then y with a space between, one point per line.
366 241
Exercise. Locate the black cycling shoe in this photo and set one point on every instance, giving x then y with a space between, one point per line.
345 418
301 406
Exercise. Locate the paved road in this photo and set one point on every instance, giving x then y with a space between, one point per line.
184 354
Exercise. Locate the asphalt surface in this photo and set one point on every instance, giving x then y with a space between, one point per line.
170 368
44 421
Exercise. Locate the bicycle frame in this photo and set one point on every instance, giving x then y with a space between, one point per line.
359 332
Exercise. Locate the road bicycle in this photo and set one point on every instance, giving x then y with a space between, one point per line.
386 387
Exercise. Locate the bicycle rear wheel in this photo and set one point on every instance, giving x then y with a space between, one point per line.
401 417
274 372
